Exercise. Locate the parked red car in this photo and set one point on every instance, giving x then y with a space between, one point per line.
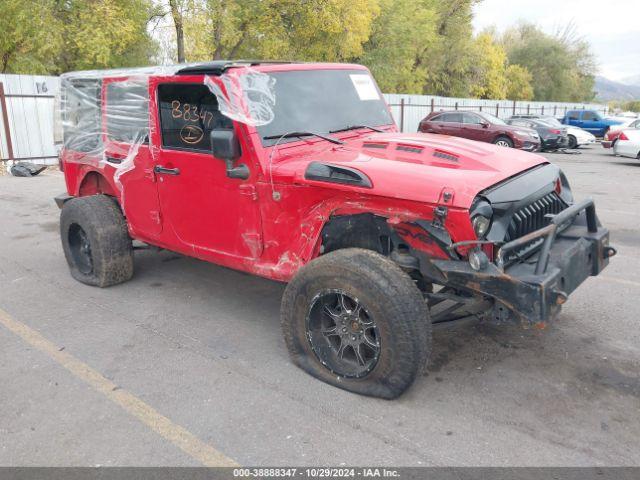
611 137
482 127
297 173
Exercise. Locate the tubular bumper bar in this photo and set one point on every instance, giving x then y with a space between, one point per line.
575 247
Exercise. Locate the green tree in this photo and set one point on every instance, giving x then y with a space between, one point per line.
489 70
320 30
104 34
518 80
450 60
30 37
401 36
562 65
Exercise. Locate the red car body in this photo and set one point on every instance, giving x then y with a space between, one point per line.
264 168
480 127
246 229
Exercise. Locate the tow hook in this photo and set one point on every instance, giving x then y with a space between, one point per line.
561 297
609 252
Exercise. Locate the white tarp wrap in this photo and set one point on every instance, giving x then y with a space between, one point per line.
247 95
106 116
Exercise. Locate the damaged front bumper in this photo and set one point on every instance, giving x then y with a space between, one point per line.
574 247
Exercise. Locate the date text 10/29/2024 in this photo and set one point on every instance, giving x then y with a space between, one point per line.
320 472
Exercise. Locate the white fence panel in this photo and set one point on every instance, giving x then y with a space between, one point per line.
29 101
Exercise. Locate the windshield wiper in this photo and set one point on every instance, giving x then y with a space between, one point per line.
356 127
304 134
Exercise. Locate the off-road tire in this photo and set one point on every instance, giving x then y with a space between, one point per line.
573 142
105 230
503 138
395 303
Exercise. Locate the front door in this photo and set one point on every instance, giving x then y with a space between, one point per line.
473 129
201 207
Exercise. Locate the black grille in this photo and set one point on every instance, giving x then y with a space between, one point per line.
533 217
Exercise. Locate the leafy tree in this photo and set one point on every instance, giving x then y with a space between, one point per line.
518 80
55 36
561 65
30 36
103 34
321 30
450 60
489 79
400 40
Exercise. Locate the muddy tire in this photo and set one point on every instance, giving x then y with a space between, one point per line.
352 318
95 241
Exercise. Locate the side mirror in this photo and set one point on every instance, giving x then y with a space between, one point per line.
484 124
225 146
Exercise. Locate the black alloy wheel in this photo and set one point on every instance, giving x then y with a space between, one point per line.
343 334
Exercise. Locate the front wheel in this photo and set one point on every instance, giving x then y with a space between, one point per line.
573 142
503 142
354 319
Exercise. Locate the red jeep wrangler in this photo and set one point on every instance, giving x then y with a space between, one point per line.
297 173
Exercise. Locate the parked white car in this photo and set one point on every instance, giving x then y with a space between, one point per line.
578 136
628 144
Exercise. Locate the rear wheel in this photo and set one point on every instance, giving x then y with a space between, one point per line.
96 241
503 141
352 318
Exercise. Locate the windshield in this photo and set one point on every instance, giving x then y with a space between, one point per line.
492 119
552 121
323 101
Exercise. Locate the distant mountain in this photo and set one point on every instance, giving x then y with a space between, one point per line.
634 80
607 90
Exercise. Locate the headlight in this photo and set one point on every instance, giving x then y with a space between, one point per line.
481 214
481 225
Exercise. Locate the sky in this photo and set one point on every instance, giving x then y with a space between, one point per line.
612 27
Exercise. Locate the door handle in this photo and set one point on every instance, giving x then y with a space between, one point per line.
166 171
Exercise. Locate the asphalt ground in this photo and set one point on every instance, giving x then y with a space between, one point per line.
185 364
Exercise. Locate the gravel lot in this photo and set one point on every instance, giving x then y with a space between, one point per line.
201 345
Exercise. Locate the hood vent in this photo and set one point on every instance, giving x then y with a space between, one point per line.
445 156
325 172
409 148
374 145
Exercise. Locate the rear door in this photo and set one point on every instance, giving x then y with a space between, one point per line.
202 209
127 153
451 124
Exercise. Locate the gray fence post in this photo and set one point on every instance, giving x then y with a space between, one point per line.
5 121
402 115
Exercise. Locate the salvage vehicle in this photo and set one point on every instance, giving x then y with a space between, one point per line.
628 144
611 137
576 136
297 173
552 137
591 121
482 127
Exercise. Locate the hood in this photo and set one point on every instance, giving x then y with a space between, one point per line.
416 167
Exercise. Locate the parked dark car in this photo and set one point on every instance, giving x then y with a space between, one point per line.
552 137
480 126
